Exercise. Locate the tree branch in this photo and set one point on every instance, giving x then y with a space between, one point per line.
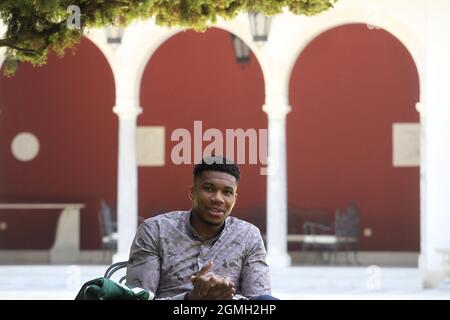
8 43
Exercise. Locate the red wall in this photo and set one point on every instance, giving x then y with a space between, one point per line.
347 89
67 104
194 76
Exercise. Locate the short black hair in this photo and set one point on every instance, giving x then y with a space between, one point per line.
217 163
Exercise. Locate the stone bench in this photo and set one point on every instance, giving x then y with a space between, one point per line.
66 248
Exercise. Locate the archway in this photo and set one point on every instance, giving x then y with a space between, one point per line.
67 105
194 77
348 88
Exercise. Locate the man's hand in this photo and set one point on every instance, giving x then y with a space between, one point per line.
209 286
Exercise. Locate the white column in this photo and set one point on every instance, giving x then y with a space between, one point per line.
435 117
127 110
277 109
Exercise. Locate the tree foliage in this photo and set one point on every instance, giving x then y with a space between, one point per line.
34 27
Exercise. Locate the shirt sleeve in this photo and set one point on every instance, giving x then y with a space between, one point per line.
144 264
255 277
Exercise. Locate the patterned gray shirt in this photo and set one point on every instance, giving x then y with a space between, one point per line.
167 251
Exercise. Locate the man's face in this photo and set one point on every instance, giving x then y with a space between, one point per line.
213 197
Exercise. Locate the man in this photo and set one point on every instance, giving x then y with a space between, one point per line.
202 253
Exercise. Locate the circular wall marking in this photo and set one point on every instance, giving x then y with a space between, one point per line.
25 146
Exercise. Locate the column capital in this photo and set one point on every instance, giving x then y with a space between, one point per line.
420 107
127 107
127 112
277 111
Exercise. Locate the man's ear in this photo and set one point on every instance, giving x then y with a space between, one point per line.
191 192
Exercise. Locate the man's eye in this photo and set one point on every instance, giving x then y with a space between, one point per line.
229 193
208 188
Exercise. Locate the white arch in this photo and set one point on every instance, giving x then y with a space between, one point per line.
3 49
142 40
289 35
412 40
139 42
96 36
2 56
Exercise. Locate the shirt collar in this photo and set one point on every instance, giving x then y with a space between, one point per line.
191 231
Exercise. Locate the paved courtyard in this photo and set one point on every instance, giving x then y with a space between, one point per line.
296 283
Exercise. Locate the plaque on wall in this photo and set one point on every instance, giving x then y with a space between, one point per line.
150 146
406 144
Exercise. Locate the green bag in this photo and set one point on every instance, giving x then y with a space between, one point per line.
107 289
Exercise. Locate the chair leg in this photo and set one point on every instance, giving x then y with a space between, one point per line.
355 256
319 257
322 256
314 248
347 253
335 251
330 253
304 247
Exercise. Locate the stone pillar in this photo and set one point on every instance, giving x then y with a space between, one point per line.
276 110
435 118
127 111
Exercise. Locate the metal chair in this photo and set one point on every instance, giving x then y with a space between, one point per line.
108 228
347 228
342 234
114 268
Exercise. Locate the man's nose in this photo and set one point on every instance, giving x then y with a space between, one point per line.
217 197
